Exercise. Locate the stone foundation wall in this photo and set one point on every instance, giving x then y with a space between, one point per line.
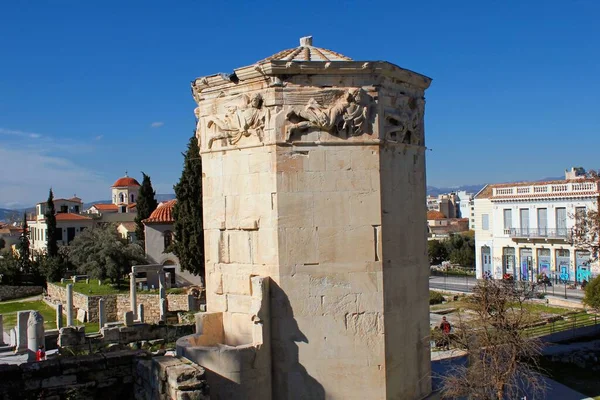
124 375
15 292
80 301
117 304
165 378
82 377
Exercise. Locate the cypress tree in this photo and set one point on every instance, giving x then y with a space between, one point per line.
146 203
23 248
188 245
51 244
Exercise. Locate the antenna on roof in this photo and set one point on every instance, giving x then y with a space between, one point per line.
126 173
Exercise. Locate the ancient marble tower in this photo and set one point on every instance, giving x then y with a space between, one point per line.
314 176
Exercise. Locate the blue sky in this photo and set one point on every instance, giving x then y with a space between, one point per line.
91 89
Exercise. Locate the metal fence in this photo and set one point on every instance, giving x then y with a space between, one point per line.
455 280
570 322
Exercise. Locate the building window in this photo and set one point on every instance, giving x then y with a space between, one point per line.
561 221
507 219
64 209
542 216
59 234
132 197
70 234
524 216
123 209
168 238
485 222
508 260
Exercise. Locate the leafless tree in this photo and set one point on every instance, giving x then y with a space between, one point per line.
501 358
586 232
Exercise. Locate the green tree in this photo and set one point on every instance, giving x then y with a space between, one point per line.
50 215
146 203
461 249
101 254
9 269
188 245
592 294
51 268
23 248
437 252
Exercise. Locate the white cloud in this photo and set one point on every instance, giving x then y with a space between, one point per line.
34 162
35 172
13 132
99 137
156 124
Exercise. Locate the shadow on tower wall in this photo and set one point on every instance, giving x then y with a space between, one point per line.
290 379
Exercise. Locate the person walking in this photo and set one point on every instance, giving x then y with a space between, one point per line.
445 327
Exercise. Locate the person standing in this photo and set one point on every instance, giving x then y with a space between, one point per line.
40 355
445 327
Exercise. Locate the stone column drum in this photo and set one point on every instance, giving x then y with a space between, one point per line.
101 313
314 176
132 292
59 314
35 331
21 330
70 305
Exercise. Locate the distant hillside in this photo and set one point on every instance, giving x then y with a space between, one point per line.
7 215
17 214
435 191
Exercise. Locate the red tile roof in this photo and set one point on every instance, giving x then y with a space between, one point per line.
105 207
162 214
71 217
125 181
435 215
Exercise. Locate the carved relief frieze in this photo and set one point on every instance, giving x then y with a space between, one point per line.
341 113
405 124
241 119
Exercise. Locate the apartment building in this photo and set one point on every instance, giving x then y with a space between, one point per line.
69 223
524 229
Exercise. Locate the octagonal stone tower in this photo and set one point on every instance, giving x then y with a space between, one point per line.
314 176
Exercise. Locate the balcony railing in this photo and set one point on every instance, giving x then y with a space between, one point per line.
540 233
570 187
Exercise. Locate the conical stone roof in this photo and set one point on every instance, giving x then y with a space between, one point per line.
306 52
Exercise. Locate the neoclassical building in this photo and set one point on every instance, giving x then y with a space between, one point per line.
524 229
69 223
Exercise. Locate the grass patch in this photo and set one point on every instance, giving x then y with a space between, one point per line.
9 315
93 289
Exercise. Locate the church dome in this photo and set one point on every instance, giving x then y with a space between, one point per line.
125 181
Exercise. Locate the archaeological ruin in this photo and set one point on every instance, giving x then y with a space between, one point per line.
314 197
